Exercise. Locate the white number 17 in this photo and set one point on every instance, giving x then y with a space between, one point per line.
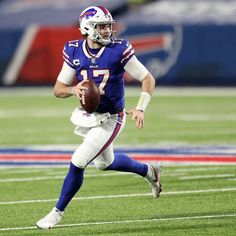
96 73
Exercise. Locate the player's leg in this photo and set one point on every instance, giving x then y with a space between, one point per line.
119 162
70 187
122 162
95 142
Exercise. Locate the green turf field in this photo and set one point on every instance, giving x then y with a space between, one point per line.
196 200
202 116
199 200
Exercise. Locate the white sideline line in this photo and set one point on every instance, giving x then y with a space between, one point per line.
91 175
122 196
22 171
198 169
205 117
128 221
30 179
206 176
49 171
58 177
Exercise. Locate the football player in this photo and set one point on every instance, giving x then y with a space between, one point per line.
103 59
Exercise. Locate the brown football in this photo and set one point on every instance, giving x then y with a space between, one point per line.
91 98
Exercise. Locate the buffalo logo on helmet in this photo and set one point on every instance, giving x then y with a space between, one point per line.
88 14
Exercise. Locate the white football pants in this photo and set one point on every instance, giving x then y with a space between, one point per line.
97 145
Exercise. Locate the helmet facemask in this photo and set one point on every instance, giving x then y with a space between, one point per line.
102 32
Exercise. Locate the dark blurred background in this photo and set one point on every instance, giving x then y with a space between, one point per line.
182 42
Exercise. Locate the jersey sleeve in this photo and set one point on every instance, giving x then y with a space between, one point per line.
68 55
127 52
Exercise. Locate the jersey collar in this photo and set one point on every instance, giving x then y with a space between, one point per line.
89 54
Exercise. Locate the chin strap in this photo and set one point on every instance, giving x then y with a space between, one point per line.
143 101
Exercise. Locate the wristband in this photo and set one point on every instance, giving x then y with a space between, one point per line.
143 101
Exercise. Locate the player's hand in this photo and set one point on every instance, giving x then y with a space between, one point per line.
138 116
79 90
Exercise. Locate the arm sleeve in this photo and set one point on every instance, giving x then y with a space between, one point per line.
136 69
66 76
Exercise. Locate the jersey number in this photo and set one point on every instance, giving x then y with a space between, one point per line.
96 73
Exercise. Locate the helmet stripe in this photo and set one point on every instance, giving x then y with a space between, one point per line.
106 12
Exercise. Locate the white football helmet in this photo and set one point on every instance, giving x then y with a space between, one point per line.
90 20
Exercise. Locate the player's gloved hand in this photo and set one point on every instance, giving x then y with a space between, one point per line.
79 90
138 116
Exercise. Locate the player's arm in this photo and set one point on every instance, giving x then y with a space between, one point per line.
63 87
138 71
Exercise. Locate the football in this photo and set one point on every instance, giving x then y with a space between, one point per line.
91 98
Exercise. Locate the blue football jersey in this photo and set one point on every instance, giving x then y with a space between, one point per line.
105 66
